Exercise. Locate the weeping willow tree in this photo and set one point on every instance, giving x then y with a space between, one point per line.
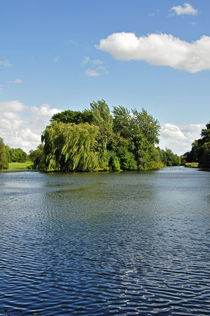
70 147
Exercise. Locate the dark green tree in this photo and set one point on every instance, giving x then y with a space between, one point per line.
75 117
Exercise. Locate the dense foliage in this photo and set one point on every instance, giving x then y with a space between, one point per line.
200 151
15 154
169 158
95 140
3 157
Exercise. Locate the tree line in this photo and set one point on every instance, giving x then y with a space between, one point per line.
97 140
8 154
200 151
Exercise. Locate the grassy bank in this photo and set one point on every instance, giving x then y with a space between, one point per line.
192 164
20 165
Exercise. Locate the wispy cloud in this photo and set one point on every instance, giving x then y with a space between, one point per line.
185 9
97 68
88 60
74 43
56 59
92 73
160 50
16 81
5 63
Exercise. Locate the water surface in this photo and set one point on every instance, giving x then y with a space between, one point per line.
105 244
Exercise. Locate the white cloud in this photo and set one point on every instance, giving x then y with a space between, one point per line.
179 138
16 81
5 63
160 50
44 111
14 106
92 73
21 125
96 69
185 9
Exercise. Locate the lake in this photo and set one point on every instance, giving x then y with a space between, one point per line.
105 243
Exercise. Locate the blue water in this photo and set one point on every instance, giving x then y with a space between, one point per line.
105 244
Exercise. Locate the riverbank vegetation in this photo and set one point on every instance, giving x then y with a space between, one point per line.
13 158
96 140
200 152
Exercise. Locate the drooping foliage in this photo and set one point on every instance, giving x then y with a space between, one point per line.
200 151
95 139
3 157
70 147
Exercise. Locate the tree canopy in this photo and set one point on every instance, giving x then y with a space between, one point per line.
96 139
15 154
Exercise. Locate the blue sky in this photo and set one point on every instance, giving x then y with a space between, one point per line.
63 54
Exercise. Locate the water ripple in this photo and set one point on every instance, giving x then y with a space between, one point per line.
105 244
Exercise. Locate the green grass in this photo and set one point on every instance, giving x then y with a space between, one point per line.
20 165
192 164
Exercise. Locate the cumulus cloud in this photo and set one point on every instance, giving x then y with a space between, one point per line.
22 125
185 9
92 73
43 111
13 106
5 63
160 50
179 138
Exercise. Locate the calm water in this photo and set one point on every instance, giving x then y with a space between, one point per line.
105 244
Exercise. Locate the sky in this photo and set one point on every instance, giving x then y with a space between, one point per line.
63 54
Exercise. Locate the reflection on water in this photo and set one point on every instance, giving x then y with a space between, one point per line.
100 244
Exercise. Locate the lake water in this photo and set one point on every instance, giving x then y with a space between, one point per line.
105 244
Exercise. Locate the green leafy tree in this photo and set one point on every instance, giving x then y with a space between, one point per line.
169 158
3 157
69 147
37 156
75 117
104 120
15 154
200 151
149 127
